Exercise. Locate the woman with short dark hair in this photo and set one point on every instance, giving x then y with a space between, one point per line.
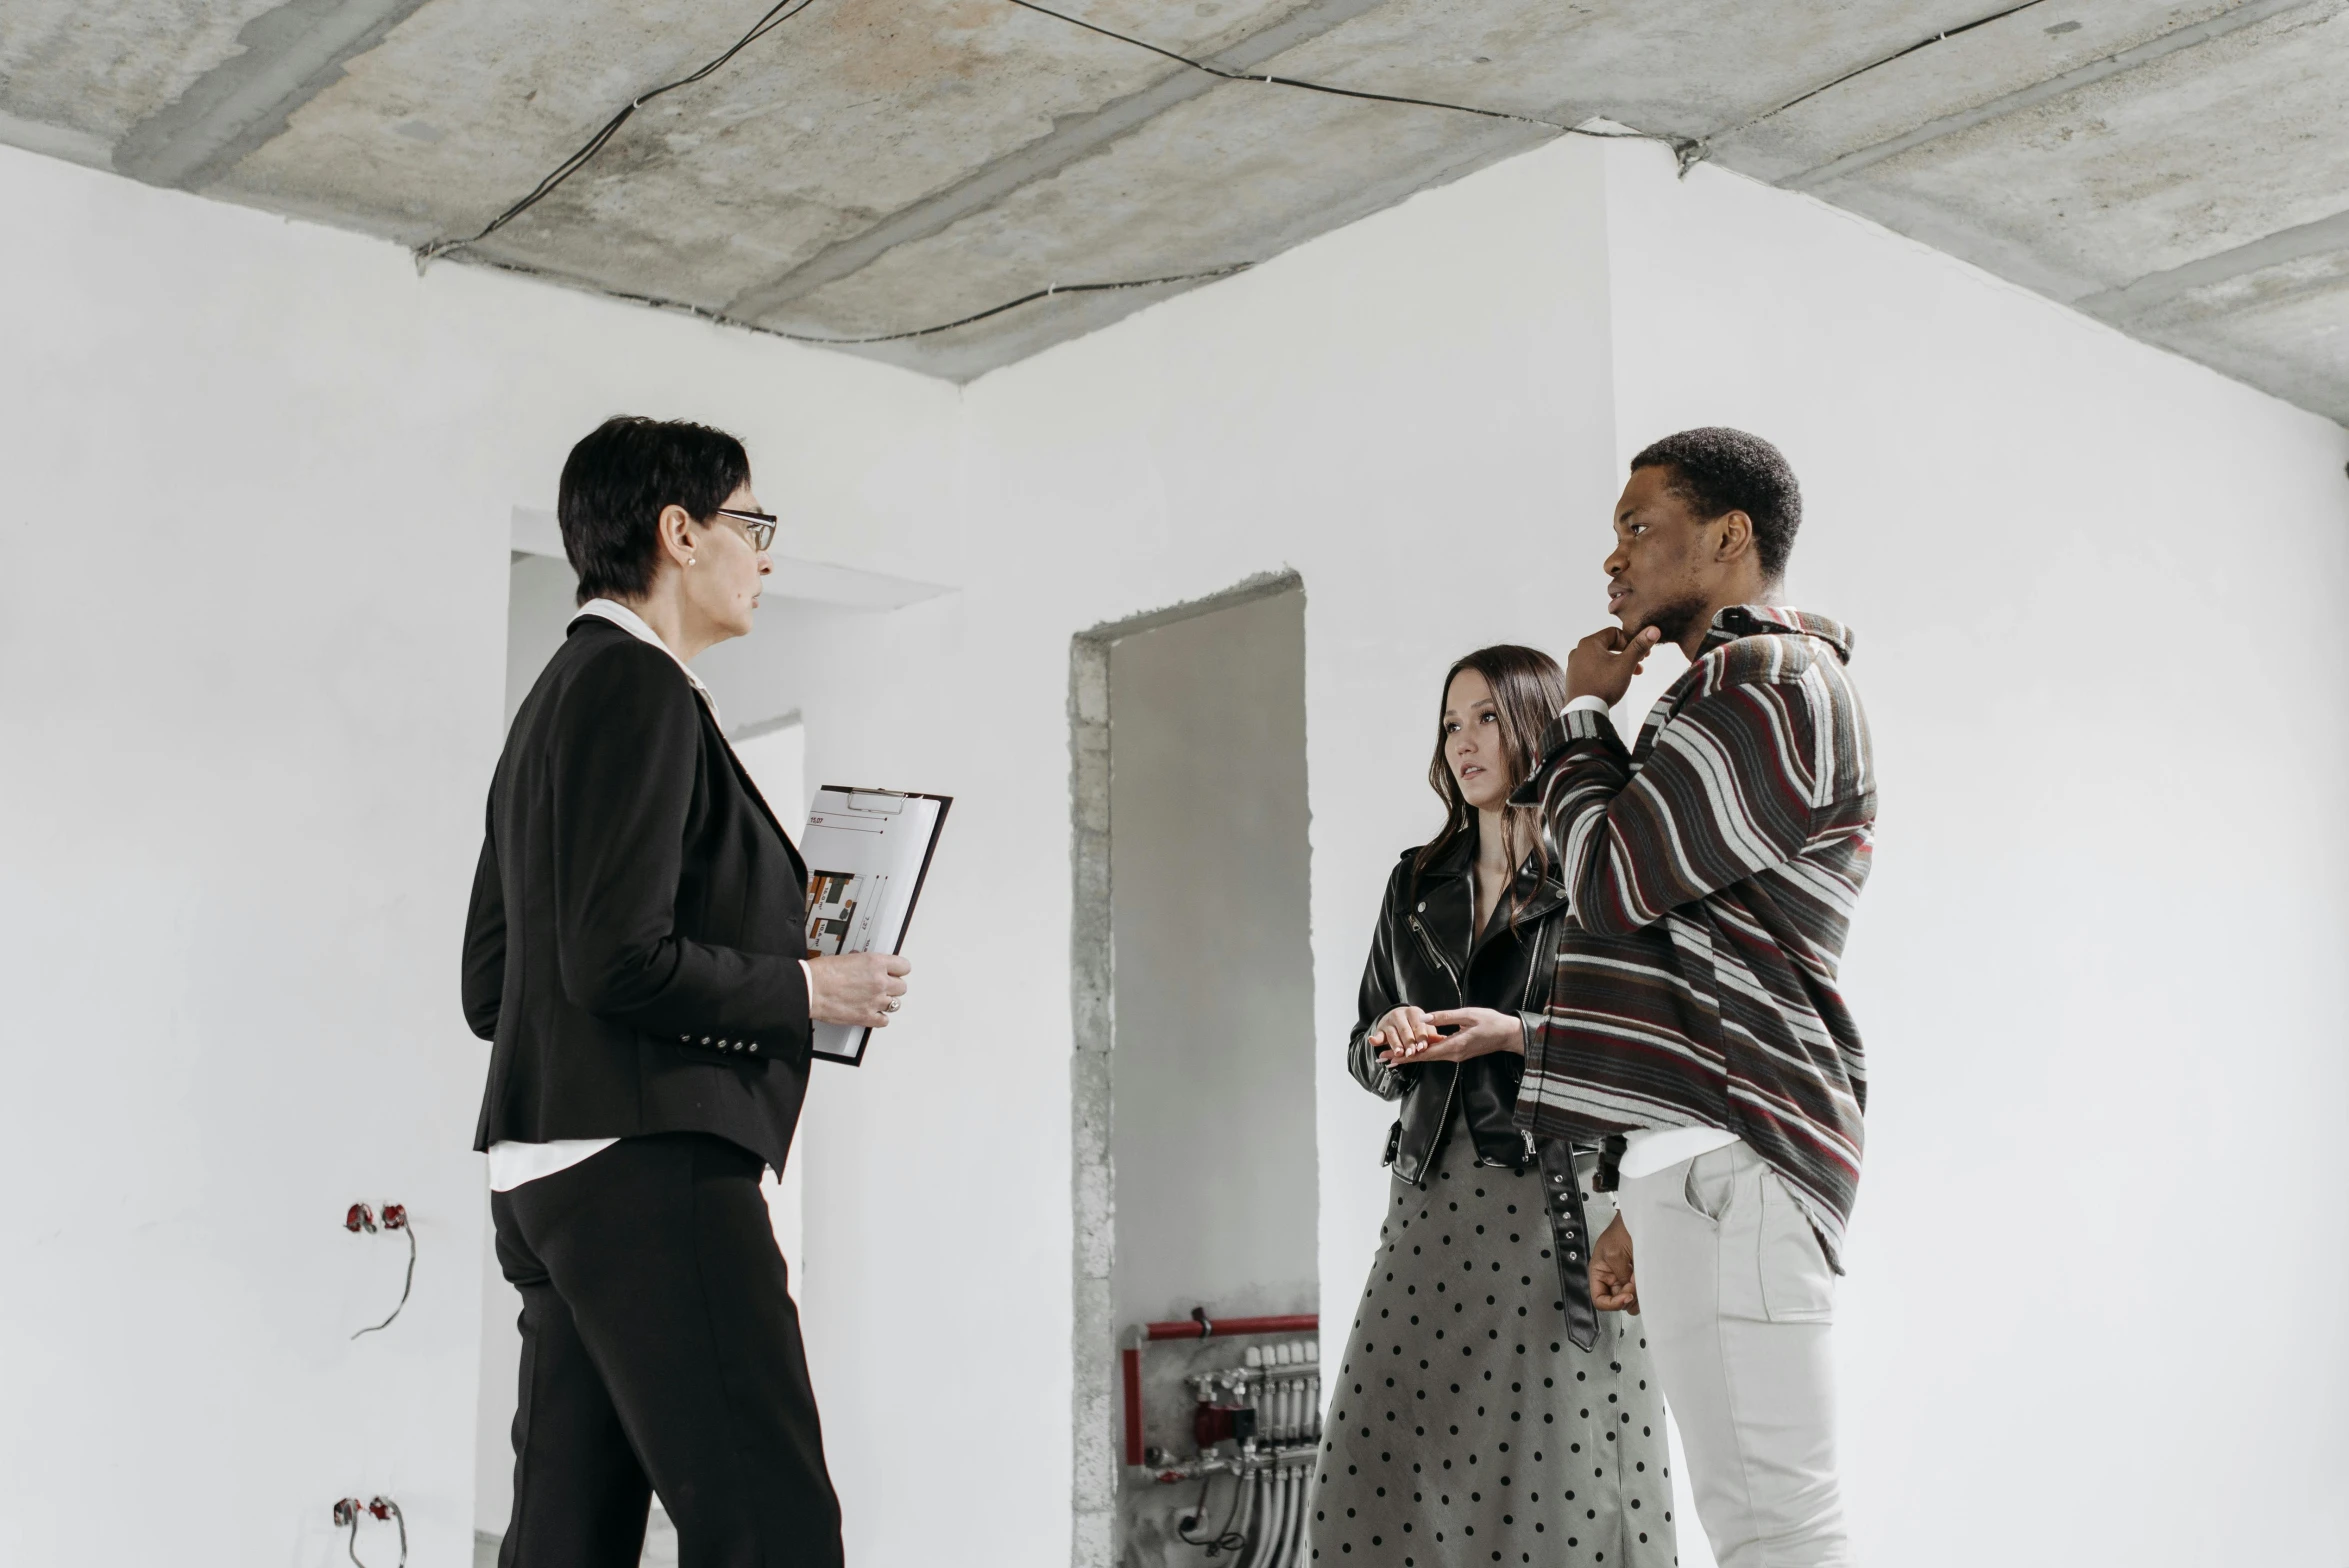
1483 1413
636 954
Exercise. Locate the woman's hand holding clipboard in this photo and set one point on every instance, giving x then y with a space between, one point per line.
868 852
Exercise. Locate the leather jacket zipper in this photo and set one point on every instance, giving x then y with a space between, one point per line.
1459 999
1426 940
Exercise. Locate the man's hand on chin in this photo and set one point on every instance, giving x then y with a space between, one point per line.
1603 663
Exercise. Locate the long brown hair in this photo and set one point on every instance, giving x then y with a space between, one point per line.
1528 690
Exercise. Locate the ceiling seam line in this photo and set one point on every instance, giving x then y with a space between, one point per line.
239 105
2297 243
2126 60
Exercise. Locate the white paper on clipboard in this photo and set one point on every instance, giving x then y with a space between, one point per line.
867 852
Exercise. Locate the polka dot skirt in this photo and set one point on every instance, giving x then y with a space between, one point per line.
1464 1428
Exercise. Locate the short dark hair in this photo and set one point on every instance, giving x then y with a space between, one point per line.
617 480
1716 469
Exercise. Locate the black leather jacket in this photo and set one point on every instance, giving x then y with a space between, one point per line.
1421 955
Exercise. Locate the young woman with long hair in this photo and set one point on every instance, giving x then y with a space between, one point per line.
1483 1413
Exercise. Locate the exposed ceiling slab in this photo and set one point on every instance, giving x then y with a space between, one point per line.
877 168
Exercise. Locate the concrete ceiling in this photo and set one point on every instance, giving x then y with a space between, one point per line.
870 167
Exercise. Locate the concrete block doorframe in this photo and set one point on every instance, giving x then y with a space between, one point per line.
1092 1004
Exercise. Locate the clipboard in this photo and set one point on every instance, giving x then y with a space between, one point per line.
868 853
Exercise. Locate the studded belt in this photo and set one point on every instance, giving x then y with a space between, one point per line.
1570 1239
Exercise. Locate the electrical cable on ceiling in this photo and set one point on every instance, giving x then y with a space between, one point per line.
1697 149
1027 299
720 319
783 12
1683 148
1679 144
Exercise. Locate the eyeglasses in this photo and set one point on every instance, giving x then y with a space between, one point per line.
757 527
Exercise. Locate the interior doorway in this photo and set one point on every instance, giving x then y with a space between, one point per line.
1196 1180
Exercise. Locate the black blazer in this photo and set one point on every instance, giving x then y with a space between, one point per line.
638 917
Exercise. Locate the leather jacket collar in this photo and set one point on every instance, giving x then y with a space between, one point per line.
1447 899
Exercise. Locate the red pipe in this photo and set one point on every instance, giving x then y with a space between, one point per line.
1201 1328
1196 1326
1133 1361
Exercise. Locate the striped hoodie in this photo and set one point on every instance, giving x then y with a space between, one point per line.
1713 871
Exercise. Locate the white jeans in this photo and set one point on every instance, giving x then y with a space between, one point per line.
1739 1305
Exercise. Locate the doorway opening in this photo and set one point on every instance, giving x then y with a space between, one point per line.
1195 1158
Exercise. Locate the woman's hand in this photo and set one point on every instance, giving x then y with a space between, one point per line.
856 988
1400 1029
1478 1031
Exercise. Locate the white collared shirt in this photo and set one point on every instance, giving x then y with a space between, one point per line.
511 1164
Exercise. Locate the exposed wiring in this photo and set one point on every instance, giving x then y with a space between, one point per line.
782 12
1028 299
1224 1539
384 1507
1700 148
1683 148
1680 145
408 1285
349 1511
720 319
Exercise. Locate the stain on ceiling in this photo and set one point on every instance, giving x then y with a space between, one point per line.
871 168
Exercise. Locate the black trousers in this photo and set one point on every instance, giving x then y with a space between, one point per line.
660 1352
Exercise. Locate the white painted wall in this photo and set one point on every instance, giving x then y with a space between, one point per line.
2094 1309
252 614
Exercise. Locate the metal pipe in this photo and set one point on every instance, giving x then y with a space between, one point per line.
1206 1328
1257 1494
1176 1471
1247 1519
1132 1358
1277 1556
1297 1529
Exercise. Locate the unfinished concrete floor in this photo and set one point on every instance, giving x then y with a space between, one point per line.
875 167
